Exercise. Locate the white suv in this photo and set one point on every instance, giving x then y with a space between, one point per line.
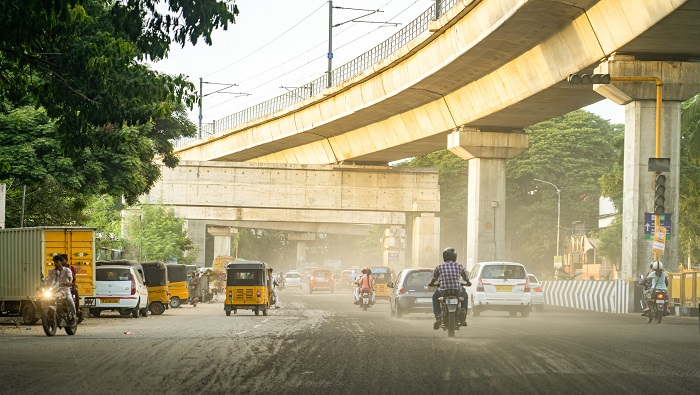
502 286
118 288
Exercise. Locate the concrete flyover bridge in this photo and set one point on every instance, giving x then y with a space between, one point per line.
215 197
478 74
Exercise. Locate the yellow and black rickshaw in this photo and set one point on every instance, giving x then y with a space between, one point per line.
248 287
382 275
177 284
156 274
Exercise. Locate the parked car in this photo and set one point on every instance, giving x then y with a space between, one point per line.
321 279
500 286
292 279
410 294
119 288
536 293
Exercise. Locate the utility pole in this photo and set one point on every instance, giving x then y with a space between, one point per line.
221 90
3 193
330 32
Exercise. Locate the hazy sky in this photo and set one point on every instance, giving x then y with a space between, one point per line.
283 43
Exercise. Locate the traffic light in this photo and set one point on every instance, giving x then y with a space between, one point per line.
659 192
589 78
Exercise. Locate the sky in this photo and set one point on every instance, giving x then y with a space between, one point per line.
281 44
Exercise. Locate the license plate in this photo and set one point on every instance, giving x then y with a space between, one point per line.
504 288
365 300
321 280
424 300
658 301
109 300
452 301
89 301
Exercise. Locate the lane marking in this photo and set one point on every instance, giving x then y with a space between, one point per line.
240 333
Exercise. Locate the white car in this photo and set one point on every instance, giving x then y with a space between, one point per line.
536 293
292 280
500 286
118 288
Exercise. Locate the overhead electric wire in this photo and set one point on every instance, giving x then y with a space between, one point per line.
269 42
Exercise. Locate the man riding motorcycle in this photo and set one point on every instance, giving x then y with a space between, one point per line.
64 277
448 274
366 281
658 281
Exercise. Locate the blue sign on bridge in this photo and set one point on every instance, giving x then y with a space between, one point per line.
665 221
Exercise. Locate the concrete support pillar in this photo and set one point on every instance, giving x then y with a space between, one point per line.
487 153
425 241
222 241
680 82
197 232
301 238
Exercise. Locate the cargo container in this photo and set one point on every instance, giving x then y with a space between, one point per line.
26 256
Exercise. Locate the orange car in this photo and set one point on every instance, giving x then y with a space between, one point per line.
321 279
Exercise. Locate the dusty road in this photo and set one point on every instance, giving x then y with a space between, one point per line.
321 344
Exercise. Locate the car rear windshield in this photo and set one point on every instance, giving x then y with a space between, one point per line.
506 272
417 280
243 277
292 275
322 273
119 274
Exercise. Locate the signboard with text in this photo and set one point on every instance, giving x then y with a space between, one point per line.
659 244
649 225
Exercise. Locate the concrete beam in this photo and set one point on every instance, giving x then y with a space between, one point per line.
473 143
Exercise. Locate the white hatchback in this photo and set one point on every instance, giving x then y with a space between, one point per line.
501 286
118 288
292 279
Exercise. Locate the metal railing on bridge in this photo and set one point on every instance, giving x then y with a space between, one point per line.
339 74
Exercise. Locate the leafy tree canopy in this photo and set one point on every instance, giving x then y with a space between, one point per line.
159 235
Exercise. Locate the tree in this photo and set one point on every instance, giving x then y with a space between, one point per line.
82 61
571 151
157 234
104 214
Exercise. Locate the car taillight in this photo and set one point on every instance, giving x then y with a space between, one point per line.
527 285
258 293
538 289
133 284
230 294
402 290
479 285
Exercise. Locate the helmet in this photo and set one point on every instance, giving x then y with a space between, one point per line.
651 265
657 265
449 254
365 270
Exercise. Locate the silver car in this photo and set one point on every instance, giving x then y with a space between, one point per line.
410 292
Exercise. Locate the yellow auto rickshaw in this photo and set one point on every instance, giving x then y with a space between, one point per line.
156 274
177 283
382 275
248 287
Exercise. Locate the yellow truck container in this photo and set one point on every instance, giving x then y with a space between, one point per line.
26 256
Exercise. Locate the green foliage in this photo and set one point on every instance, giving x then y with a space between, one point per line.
81 61
103 213
159 235
265 245
571 151
610 238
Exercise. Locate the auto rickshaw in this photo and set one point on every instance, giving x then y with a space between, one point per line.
248 285
157 282
177 283
382 275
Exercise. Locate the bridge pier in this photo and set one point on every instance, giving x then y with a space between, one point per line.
681 81
425 241
487 153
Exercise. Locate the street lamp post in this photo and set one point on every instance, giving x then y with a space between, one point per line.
558 208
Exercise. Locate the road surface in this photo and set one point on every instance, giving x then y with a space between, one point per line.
322 344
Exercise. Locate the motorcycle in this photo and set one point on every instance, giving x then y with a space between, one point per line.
365 299
56 312
658 304
450 311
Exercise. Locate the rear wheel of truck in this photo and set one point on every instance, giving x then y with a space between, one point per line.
29 314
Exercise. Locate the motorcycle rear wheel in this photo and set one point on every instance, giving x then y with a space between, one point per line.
364 307
451 324
48 322
659 315
650 316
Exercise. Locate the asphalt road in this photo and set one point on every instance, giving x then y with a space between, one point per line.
322 344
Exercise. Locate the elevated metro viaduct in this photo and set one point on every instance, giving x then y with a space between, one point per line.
480 74
302 199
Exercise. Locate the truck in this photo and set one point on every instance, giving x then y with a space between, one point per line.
26 256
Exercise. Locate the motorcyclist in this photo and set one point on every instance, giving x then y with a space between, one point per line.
366 281
646 295
658 280
273 288
64 277
448 274
74 286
